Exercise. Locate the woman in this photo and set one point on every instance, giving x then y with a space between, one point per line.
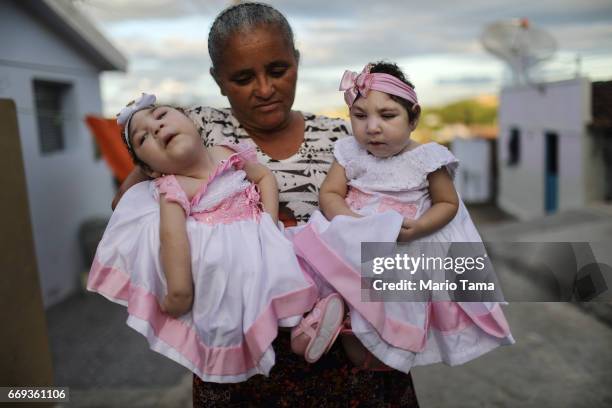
254 63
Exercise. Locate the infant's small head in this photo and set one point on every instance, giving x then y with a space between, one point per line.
412 108
124 120
157 135
384 109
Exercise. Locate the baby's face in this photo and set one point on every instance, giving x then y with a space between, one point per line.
165 139
380 124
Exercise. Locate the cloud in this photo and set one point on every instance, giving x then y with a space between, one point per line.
118 89
466 80
347 30
593 38
118 11
392 30
172 46
438 41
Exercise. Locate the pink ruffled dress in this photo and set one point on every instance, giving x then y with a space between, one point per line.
247 279
402 334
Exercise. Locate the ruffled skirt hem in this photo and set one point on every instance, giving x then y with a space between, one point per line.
427 332
178 339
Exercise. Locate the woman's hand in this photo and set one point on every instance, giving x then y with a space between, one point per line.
135 177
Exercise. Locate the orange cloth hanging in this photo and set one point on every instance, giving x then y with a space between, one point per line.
108 136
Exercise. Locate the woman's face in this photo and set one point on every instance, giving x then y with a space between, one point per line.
258 73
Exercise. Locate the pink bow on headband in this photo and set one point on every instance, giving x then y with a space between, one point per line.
354 84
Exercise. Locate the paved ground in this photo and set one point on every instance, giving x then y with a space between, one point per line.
107 364
562 358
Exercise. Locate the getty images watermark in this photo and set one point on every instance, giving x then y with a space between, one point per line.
482 272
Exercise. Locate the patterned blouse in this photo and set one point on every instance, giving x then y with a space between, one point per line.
299 176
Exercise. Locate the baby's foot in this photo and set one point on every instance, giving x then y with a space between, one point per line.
318 330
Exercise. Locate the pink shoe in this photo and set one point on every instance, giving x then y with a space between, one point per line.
322 326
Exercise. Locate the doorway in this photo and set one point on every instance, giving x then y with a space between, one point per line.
551 177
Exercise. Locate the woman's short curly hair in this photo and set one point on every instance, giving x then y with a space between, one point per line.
242 17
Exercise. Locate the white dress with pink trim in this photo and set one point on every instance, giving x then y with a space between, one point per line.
247 280
402 334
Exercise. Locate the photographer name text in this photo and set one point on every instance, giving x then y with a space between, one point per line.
408 285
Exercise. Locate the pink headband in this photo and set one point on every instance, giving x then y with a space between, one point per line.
354 84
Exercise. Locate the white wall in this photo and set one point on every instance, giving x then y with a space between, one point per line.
473 178
560 107
65 188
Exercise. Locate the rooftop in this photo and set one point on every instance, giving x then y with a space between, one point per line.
77 30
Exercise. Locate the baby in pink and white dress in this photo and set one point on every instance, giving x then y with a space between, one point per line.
384 187
196 255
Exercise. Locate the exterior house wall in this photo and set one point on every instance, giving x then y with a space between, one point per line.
473 178
562 108
65 187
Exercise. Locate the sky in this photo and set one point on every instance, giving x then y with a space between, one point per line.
437 43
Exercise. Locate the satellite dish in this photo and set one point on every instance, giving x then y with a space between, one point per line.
519 44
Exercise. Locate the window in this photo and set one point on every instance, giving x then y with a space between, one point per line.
50 98
514 147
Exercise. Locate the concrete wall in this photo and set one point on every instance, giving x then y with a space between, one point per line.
560 107
67 187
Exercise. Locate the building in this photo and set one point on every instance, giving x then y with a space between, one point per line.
550 157
475 148
601 129
51 57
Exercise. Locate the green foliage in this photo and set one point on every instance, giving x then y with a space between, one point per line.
469 112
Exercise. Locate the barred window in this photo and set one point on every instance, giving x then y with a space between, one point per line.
50 100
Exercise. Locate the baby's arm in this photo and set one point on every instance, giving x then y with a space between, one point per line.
175 258
445 203
268 189
333 192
